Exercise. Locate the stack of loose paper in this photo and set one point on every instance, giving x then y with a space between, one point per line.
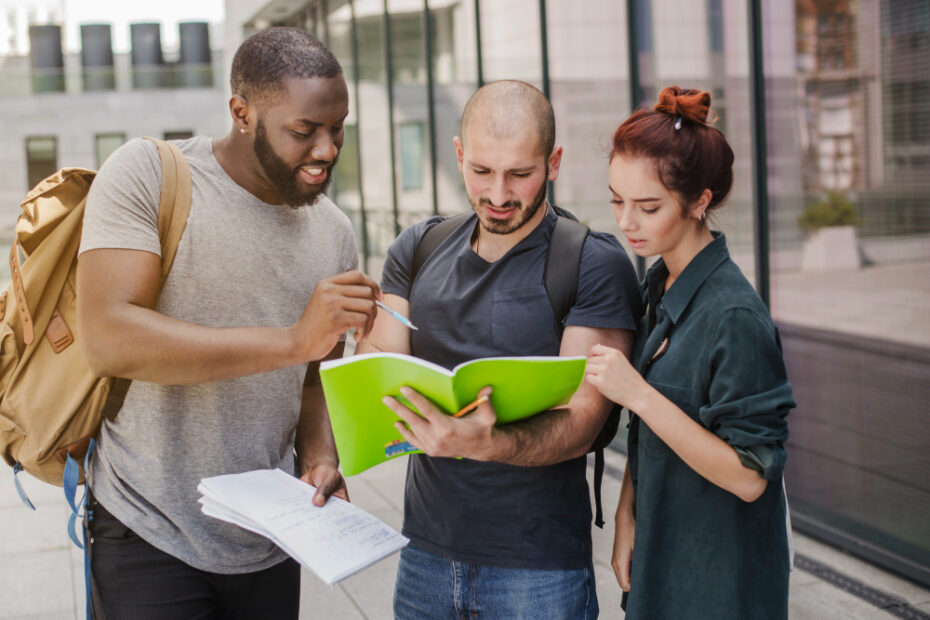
334 541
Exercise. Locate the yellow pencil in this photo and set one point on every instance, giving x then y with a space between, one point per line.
470 406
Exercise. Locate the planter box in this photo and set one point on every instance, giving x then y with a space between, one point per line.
830 249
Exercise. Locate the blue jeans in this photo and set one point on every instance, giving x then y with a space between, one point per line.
429 586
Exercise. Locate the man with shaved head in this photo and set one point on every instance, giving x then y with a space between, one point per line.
505 530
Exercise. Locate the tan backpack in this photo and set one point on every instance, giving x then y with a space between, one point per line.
51 403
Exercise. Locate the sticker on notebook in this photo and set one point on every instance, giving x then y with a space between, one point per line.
398 447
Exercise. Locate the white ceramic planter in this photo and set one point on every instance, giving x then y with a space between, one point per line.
830 249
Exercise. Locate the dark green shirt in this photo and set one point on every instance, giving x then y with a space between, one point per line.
709 345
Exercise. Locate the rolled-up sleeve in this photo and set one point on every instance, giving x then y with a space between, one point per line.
749 394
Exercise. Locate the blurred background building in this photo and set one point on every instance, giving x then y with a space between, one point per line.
72 103
825 102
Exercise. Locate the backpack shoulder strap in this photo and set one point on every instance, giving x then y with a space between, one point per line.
563 262
173 210
431 240
175 205
561 279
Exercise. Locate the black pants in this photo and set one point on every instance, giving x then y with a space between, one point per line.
131 579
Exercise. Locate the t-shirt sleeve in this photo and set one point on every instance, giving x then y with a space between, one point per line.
350 258
608 290
397 275
122 205
749 394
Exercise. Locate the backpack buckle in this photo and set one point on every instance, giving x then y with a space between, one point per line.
58 333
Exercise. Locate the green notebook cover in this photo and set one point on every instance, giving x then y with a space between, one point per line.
364 427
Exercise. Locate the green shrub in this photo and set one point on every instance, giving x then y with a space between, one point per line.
834 209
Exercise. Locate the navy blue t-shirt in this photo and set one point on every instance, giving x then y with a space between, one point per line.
466 308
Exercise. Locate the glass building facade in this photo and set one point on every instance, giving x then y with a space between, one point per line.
826 104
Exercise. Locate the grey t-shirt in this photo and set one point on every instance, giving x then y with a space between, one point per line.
241 262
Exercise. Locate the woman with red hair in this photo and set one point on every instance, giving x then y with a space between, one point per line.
701 523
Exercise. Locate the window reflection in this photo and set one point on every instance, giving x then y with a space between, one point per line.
412 154
588 68
455 70
336 26
374 122
411 110
850 240
407 42
510 41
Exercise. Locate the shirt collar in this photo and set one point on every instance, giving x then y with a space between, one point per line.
679 295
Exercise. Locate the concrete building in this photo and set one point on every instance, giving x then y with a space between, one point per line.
74 109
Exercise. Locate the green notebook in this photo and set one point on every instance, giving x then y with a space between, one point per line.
364 427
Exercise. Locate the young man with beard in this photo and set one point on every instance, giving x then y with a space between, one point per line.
224 360
504 532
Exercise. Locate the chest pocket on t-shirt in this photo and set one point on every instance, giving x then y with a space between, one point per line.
522 322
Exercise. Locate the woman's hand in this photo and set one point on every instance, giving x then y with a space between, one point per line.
612 374
623 547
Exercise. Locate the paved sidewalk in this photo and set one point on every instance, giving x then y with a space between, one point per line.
41 573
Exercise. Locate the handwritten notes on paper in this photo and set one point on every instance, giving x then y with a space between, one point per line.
334 541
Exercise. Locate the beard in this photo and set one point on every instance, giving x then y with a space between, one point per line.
523 214
283 177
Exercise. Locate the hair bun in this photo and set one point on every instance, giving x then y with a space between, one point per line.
690 104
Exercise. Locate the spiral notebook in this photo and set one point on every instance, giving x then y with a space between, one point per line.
333 541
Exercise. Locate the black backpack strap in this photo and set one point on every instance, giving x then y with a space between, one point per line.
563 262
598 477
431 240
561 279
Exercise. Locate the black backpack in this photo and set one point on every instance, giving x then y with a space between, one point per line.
561 282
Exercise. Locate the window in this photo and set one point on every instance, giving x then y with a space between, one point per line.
41 158
105 144
346 173
835 40
644 25
907 103
407 48
369 18
715 25
180 134
410 137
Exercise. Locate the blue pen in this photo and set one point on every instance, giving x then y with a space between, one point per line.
400 317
